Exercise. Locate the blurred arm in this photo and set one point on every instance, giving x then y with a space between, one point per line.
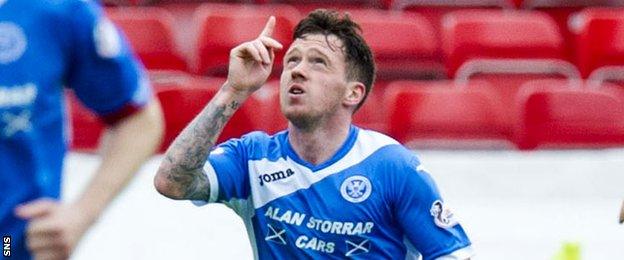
130 143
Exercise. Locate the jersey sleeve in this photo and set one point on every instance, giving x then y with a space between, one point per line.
428 224
102 70
227 170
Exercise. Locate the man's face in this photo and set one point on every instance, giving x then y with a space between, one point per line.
313 83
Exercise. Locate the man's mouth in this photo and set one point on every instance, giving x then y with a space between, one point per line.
296 89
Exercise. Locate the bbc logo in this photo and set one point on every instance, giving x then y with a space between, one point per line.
6 246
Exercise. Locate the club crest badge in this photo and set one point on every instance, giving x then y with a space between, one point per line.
442 216
12 42
356 189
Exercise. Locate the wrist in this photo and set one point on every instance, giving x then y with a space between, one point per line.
88 211
235 91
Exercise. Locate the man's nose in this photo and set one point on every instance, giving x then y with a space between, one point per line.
298 72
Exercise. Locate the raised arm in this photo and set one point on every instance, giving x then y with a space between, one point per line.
181 174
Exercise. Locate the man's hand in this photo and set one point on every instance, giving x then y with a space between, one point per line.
251 62
53 229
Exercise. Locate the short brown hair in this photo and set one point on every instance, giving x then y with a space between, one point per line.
359 58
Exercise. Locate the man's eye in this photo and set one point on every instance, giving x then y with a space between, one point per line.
318 60
292 59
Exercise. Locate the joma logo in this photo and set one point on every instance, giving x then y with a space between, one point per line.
270 177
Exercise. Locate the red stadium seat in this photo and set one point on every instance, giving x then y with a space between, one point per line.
85 127
569 3
555 117
269 114
440 114
371 115
496 34
435 10
598 39
562 10
506 76
609 78
307 6
480 45
182 103
222 27
149 30
411 52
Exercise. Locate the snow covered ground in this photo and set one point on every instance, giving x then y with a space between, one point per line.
514 205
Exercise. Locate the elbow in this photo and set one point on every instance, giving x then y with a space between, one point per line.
164 185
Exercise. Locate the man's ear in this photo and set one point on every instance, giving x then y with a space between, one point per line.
355 93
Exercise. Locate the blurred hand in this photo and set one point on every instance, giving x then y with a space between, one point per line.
53 229
251 62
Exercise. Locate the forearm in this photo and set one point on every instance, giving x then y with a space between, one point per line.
180 175
129 144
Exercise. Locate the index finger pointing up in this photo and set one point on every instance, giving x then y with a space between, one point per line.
268 28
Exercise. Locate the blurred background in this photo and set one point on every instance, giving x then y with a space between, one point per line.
515 107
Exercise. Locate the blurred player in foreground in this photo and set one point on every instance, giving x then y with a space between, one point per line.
43 46
323 188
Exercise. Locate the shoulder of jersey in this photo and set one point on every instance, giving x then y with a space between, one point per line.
63 7
374 138
262 145
384 147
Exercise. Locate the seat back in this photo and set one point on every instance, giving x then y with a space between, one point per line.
223 27
486 34
149 31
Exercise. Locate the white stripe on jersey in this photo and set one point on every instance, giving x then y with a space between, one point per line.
366 144
214 186
460 254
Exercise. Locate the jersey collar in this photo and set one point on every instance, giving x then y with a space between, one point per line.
344 149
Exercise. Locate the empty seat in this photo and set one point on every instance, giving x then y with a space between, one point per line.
496 34
411 52
506 76
569 3
562 10
444 115
480 45
306 6
435 10
269 114
223 27
149 30
599 40
371 114
554 117
182 103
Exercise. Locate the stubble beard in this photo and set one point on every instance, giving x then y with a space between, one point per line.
310 121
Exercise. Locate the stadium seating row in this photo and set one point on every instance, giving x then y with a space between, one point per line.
544 113
407 45
525 4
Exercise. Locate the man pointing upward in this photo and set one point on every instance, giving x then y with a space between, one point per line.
323 188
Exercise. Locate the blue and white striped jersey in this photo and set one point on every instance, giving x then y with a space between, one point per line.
371 200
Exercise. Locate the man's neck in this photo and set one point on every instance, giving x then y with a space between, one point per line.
320 144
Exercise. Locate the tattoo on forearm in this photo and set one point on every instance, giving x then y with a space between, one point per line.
188 153
234 105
